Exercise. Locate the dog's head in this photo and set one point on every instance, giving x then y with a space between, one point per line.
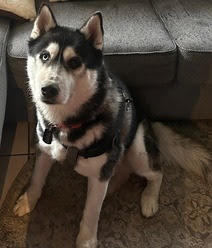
61 61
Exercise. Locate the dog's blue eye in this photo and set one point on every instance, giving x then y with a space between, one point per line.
74 63
45 56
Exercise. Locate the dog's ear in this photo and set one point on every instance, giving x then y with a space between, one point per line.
93 30
44 21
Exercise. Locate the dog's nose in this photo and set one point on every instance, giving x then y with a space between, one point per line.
50 91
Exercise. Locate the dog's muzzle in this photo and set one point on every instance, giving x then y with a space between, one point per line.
49 93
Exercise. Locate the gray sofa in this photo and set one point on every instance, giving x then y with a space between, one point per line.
162 49
4 31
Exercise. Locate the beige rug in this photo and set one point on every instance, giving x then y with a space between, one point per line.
184 218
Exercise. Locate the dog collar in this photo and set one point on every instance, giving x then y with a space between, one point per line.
70 126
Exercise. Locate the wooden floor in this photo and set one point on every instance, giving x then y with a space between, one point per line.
16 149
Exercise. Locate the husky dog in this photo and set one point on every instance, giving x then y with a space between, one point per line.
87 114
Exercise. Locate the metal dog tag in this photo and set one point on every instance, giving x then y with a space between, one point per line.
71 156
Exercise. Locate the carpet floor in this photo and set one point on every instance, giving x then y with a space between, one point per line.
184 218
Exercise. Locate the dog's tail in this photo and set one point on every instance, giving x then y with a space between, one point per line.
189 154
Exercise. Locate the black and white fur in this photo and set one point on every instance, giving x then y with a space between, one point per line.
71 62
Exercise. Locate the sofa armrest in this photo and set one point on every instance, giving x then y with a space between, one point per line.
4 31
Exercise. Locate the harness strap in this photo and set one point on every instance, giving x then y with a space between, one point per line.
96 150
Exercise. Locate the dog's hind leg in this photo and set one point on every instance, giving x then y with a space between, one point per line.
28 200
150 195
145 162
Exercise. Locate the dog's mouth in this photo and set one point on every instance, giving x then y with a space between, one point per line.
49 101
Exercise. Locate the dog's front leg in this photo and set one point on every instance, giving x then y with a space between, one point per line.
87 237
28 200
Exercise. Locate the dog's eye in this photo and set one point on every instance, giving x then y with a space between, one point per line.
74 63
45 56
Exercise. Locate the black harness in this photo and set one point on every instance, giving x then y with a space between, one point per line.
96 149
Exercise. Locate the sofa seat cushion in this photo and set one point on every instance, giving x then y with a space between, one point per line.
137 45
189 22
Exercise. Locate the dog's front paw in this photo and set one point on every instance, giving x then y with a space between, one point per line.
83 241
23 205
91 243
149 205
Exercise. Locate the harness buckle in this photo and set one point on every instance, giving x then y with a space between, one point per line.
127 100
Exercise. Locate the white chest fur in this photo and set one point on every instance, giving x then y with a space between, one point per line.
90 167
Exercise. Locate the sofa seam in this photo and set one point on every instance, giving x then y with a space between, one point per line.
193 51
169 52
